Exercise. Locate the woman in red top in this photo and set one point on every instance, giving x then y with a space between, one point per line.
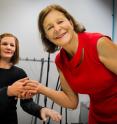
87 64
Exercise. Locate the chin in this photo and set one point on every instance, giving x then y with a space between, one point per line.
8 57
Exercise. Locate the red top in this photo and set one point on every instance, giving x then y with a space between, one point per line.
91 77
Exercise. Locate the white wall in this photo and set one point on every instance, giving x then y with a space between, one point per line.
20 18
115 35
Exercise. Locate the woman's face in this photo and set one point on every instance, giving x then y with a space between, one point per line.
7 47
59 30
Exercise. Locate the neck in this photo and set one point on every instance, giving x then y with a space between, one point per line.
72 47
4 64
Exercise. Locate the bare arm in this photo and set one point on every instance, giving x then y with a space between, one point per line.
107 51
66 98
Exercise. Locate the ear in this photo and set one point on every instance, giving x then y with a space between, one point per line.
71 22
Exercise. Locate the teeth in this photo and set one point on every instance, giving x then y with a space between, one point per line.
61 35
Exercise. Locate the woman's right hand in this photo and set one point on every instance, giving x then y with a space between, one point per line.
17 87
33 87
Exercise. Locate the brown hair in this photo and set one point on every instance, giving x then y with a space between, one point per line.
15 58
49 46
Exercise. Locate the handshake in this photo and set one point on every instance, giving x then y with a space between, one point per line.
24 88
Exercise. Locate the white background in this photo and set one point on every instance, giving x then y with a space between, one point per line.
20 18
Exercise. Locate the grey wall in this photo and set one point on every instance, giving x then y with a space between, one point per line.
20 18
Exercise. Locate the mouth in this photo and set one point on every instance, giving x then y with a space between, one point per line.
60 36
8 52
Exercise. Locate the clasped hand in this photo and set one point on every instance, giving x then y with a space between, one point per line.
23 88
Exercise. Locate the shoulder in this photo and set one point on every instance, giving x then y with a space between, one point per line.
90 34
104 40
19 71
95 36
104 43
18 68
106 47
61 55
57 59
89 38
60 59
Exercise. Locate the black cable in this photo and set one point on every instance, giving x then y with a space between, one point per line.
48 68
38 95
66 116
61 114
57 87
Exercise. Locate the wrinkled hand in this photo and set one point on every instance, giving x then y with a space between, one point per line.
17 87
25 95
32 87
24 88
54 115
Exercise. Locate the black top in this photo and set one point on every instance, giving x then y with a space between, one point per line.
8 114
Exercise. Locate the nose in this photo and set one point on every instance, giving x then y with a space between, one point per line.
8 46
56 28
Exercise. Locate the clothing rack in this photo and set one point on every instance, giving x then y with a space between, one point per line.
42 60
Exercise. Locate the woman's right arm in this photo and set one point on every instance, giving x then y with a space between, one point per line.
65 98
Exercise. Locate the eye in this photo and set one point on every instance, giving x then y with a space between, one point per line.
4 43
13 45
61 21
50 27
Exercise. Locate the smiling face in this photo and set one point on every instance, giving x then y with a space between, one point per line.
7 48
58 29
